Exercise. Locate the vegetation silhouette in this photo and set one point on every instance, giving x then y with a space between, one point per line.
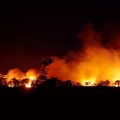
104 83
44 63
15 90
117 82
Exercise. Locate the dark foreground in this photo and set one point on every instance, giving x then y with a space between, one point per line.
44 102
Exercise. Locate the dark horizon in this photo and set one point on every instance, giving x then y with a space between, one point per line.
30 31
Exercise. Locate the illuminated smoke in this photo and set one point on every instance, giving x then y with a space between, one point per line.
98 60
95 62
32 74
15 73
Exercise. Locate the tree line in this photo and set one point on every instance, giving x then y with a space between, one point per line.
42 80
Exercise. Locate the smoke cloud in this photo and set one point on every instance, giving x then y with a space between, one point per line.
98 60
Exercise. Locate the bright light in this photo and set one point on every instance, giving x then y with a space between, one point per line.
88 83
115 85
32 77
11 85
28 85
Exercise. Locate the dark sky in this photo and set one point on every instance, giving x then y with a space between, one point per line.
29 31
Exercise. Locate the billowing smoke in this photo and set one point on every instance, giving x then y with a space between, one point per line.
98 60
32 74
15 73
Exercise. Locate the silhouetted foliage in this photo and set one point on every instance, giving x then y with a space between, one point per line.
117 82
67 83
16 82
11 83
45 63
78 84
104 83
43 78
38 82
33 84
4 82
87 83
1 83
50 83
23 82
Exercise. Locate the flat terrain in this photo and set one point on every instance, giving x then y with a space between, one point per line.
67 101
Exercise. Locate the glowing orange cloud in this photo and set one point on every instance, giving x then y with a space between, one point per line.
95 62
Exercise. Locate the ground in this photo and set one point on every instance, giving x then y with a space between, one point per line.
41 102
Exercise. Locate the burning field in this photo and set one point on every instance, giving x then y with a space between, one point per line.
96 63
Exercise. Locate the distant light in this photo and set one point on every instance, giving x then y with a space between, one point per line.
87 83
11 85
28 85
32 77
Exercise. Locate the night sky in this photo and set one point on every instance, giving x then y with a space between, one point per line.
30 31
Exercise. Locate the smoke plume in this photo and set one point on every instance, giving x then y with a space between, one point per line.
98 60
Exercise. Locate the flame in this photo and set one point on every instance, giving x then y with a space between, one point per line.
32 77
32 74
15 73
88 83
96 61
28 85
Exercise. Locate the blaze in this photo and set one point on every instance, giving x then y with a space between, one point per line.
88 83
32 74
97 60
15 73
28 85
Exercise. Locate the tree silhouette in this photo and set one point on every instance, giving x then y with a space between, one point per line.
68 83
16 82
4 82
11 83
33 83
24 81
117 82
38 82
87 83
78 84
51 82
45 63
104 83
107 82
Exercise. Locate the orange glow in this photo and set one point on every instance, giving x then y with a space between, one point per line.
96 61
15 73
28 85
32 74
87 83
32 77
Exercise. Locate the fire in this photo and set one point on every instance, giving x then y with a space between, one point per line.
15 73
32 77
87 83
32 74
96 61
28 85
